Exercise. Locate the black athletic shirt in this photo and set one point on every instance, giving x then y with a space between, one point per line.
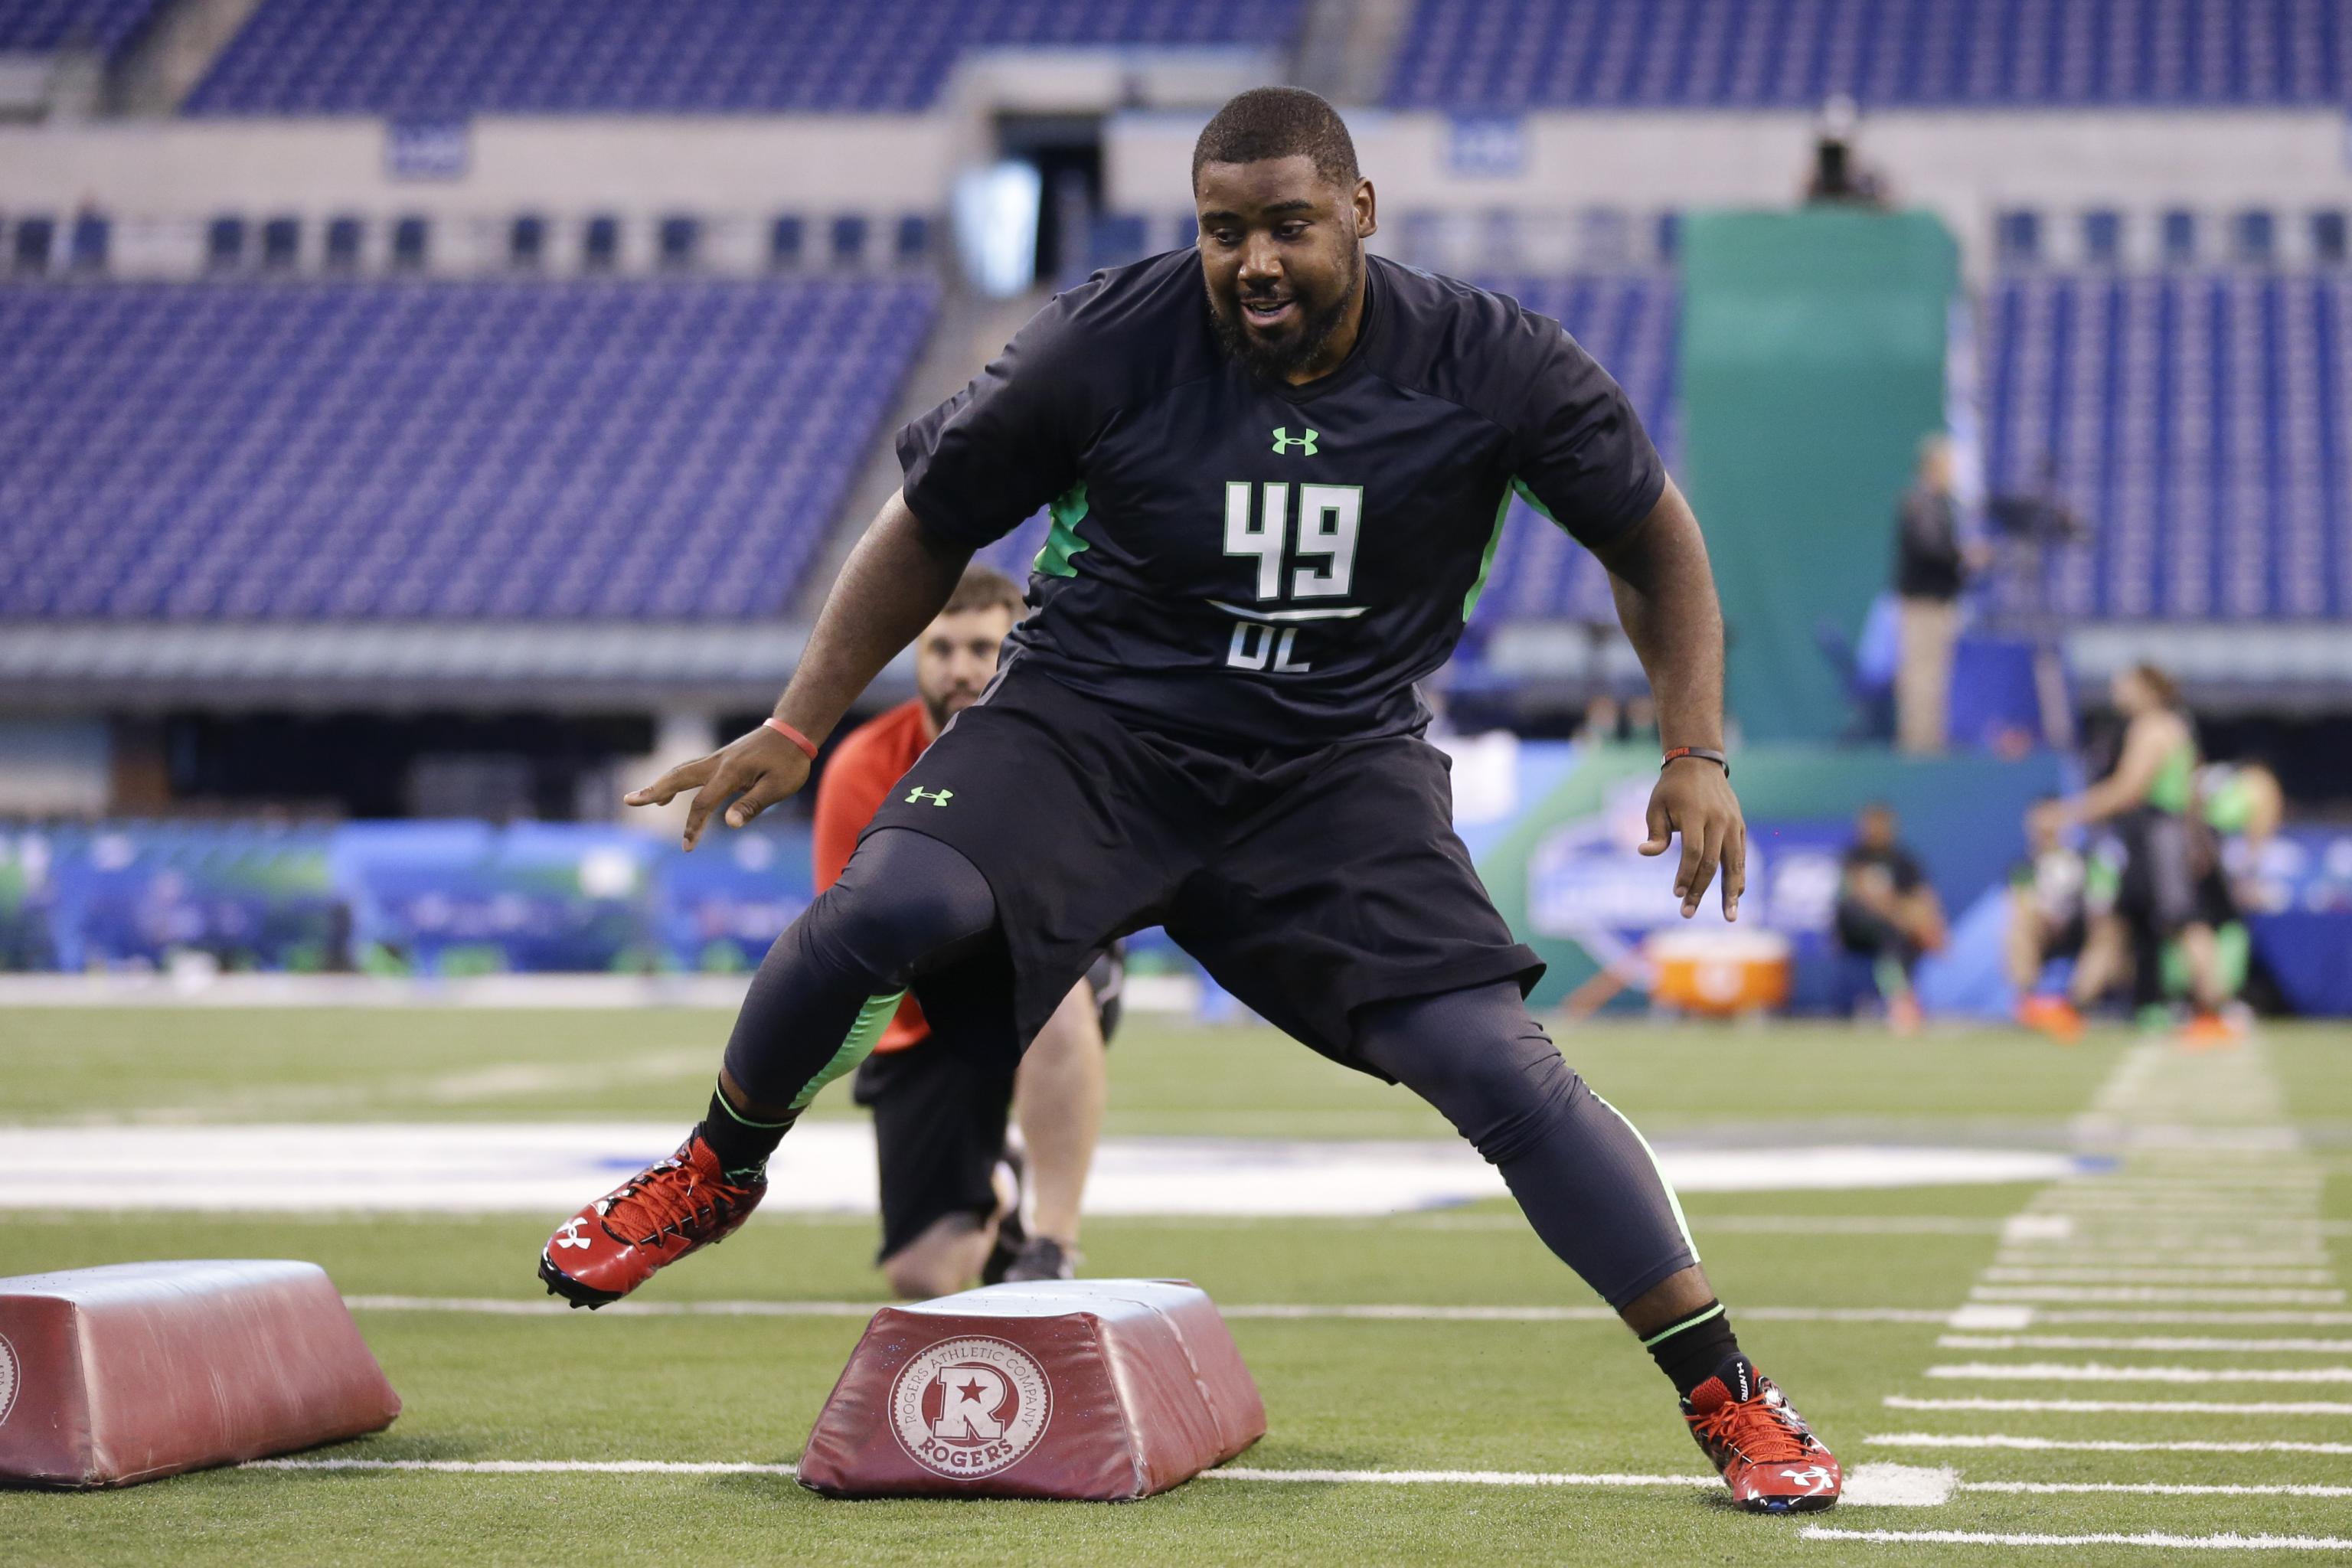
1268 564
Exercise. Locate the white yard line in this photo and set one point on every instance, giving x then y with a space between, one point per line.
2153 1488
1874 1485
1455 1477
2076 1274
2183 1318
2141 1342
2157 1293
2090 1445
2127 1406
2149 1538
529 1467
2096 1372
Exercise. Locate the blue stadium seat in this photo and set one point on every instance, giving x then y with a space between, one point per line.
1502 55
432 59
2196 421
42 27
266 449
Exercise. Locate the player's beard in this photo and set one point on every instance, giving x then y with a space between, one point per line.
1277 362
946 705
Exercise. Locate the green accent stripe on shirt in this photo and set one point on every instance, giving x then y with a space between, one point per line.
872 1019
1062 541
1495 541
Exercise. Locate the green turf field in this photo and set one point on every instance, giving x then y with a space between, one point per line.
2216 1233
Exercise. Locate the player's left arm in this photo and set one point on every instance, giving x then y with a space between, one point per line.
1665 598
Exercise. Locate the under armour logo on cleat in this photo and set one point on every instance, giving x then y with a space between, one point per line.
570 1235
1815 1479
1284 440
940 798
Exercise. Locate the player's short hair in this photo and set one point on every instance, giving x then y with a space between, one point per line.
1278 123
2166 690
985 588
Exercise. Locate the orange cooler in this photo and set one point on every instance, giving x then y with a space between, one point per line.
1720 972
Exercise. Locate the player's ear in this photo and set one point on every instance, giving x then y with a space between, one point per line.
1367 223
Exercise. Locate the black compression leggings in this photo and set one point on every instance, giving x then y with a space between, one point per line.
905 906
1584 1178
908 904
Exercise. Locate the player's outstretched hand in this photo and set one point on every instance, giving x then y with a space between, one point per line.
1694 799
758 770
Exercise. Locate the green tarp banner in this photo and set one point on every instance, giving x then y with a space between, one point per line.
1812 364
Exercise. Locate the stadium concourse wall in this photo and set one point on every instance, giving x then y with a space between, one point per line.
1968 167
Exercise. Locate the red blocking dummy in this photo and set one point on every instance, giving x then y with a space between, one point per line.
119 1374
1101 1389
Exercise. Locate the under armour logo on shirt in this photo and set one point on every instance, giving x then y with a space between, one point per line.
918 794
1284 440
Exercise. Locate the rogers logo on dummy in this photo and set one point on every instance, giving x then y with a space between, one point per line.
970 1407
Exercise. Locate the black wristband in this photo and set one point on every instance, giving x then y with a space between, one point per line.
1717 758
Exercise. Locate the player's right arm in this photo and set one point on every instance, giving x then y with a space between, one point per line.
896 580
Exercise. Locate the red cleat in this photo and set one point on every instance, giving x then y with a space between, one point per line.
1769 1456
656 1217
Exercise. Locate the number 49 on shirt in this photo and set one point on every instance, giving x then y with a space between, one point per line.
1323 547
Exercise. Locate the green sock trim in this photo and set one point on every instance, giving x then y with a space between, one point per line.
1713 1311
1673 1200
734 1115
872 1019
1887 974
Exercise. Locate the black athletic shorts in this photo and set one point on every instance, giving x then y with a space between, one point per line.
1309 883
939 1117
2158 889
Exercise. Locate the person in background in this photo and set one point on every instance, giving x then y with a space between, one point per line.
2150 797
2061 905
1887 913
1931 566
2240 806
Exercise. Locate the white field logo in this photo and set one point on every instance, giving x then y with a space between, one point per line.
9 1378
970 1407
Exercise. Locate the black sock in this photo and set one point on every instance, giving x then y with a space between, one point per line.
742 1146
1689 1350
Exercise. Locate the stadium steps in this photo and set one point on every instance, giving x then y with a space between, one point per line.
969 333
156 76
1346 48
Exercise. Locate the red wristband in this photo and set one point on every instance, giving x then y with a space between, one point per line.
1705 753
794 736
